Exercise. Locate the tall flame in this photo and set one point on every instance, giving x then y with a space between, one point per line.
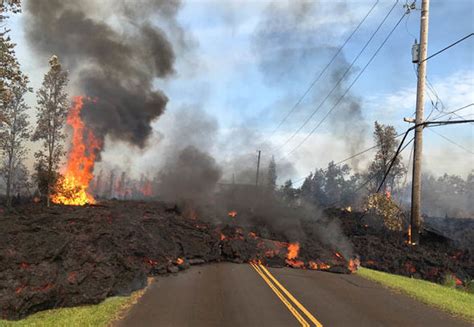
72 189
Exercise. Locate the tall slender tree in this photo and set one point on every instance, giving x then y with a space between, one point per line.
14 135
14 125
387 144
271 175
52 109
9 67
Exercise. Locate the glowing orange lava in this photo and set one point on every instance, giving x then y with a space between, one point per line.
293 251
72 189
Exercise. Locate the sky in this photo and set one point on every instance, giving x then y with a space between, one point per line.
248 63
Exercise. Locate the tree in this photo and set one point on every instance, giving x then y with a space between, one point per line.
271 175
14 134
387 144
9 66
336 182
52 109
14 125
289 193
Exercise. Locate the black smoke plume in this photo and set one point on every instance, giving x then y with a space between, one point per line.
114 53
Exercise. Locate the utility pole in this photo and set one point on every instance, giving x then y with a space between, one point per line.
415 222
258 168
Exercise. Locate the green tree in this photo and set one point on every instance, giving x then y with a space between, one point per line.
52 109
9 67
387 144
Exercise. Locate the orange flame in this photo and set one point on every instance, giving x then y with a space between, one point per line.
147 188
232 214
313 265
72 189
354 265
293 250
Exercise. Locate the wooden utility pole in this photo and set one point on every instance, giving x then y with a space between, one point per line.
258 168
415 222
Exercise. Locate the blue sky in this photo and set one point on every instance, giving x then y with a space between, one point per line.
224 74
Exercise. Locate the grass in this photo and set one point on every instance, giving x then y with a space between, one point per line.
456 302
102 314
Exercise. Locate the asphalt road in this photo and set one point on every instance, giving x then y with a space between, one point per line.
246 295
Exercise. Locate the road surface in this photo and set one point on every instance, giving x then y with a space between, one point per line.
250 295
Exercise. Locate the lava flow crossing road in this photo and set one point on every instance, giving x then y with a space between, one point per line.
252 295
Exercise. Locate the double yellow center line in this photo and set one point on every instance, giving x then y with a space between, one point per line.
286 298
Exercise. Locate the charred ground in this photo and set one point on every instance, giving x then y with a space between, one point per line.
66 255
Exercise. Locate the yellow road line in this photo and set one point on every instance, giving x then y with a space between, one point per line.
292 298
292 309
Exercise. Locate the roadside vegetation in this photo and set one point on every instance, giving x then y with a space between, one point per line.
447 298
102 314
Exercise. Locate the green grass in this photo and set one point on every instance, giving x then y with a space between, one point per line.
456 302
101 314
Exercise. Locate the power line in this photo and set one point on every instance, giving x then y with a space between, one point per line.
339 81
449 46
451 141
349 158
454 111
324 69
426 123
350 86
399 150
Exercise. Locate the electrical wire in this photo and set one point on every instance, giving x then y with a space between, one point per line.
449 46
454 111
321 73
348 89
451 141
340 79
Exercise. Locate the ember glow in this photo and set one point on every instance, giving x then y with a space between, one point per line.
293 252
72 189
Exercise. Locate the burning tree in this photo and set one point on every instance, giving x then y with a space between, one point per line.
52 110
72 188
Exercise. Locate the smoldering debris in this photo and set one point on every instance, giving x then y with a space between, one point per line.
70 255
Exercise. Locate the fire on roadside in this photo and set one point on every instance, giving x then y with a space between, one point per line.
232 214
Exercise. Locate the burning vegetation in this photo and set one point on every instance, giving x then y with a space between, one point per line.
92 244
72 187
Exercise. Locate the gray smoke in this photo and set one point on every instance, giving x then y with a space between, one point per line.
113 59
189 172
190 176
294 41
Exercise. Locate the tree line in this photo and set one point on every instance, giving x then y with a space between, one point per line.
16 130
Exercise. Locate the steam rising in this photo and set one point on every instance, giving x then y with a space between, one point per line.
115 67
